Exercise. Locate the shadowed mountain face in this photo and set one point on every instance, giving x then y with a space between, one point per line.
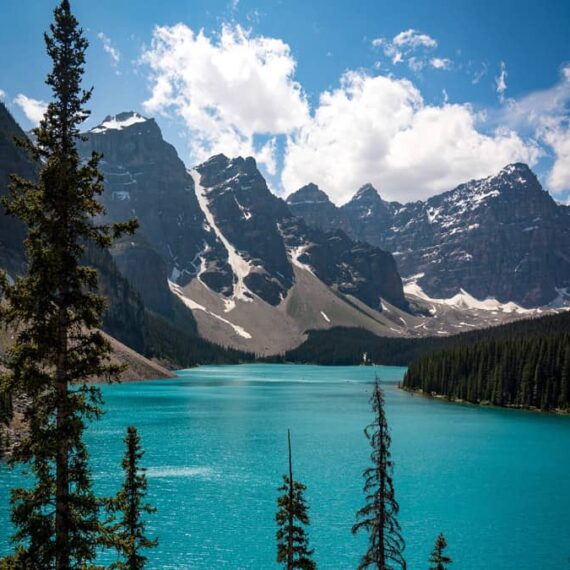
13 160
144 178
502 237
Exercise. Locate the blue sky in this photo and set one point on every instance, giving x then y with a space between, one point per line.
413 96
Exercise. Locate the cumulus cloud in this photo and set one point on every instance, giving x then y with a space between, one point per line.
230 90
379 129
34 109
109 48
2 94
501 82
236 93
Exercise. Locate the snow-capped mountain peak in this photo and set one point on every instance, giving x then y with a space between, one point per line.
119 122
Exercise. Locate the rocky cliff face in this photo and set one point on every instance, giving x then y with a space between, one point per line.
13 160
218 223
142 312
144 178
264 240
502 237
244 215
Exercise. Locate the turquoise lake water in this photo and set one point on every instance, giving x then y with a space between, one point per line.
496 482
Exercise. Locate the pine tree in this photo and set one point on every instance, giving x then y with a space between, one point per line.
379 516
56 313
292 543
126 527
438 558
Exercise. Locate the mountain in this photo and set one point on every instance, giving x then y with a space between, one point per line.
143 316
254 276
145 179
502 238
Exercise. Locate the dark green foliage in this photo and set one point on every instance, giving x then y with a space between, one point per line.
126 527
346 346
379 516
518 371
439 560
292 516
56 314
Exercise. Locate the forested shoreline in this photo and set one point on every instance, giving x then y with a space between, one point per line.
521 372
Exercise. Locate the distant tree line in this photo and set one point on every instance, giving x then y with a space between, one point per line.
519 371
346 346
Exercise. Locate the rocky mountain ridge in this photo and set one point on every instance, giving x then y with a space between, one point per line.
502 237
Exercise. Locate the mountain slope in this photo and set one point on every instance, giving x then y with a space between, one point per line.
502 237
232 252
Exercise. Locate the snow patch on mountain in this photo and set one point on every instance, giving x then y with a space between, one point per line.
193 306
463 300
295 253
240 266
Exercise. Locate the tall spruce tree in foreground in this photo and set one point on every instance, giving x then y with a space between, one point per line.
126 528
55 313
379 516
292 543
439 560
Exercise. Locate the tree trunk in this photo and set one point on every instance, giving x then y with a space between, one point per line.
382 491
291 499
62 456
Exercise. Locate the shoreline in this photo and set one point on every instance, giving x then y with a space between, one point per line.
483 404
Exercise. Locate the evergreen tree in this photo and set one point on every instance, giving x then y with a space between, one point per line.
127 534
379 516
439 560
56 313
292 542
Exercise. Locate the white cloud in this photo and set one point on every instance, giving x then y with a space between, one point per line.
227 89
478 75
2 94
380 130
236 93
34 109
414 39
109 48
501 82
442 63
411 46
416 64
559 140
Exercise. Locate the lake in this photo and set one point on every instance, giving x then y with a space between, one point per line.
496 482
